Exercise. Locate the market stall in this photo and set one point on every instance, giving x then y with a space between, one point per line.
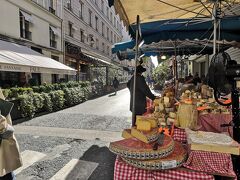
202 154
163 144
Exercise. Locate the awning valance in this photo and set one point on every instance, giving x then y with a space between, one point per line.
183 29
27 16
17 58
55 31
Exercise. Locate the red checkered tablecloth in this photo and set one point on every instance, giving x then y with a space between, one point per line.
180 135
124 171
210 162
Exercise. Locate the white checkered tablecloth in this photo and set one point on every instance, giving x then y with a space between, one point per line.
124 171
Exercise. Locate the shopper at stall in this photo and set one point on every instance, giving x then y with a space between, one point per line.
115 84
142 91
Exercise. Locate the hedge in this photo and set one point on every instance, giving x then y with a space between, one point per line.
51 97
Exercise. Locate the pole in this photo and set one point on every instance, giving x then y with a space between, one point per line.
175 69
215 23
135 75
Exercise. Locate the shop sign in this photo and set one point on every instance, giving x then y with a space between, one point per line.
34 69
11 68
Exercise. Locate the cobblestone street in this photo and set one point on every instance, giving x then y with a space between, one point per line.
74 140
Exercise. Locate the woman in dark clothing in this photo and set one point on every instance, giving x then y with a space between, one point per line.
142 91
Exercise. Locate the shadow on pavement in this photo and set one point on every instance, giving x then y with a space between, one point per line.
105 160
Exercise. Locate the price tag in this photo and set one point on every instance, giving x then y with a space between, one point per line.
169 164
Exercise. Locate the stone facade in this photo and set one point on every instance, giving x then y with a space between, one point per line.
29 23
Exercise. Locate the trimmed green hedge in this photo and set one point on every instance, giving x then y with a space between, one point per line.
48 97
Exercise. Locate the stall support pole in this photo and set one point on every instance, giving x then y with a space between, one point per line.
215 23
175 69
135 75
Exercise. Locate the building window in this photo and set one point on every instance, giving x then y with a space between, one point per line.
107 33
110 18
53 42
107 12
51 9
103 29
90 17
82 35
70 29
96 23
69 5
81 10
25 20
111 37
91 40
97 44
115 40
103 47
108 50
114 22
102 5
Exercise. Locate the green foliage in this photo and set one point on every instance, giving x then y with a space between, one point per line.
160 74
73 96
15 92
27 107
6 92
57 98
38 101
47 102
48 97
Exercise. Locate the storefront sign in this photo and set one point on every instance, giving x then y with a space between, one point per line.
11 68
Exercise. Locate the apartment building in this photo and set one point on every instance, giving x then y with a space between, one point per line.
37 25
91 27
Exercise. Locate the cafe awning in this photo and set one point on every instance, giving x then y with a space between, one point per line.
18 58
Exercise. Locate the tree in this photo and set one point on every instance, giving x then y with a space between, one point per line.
161 74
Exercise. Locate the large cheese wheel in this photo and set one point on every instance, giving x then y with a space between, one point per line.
174 160
135 149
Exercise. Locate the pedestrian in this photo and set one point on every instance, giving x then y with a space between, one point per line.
10 158
115 84
142 92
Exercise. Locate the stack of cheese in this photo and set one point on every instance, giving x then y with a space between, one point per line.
137 149
164 110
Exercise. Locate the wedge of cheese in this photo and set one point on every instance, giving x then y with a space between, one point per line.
126 134
161 107
143 125
146 137
153 122
166 99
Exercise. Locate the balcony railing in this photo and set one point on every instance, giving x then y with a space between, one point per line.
51 10
53 43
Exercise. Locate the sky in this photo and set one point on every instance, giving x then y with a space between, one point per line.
154 60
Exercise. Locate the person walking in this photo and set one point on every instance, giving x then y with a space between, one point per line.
115 84
142 92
